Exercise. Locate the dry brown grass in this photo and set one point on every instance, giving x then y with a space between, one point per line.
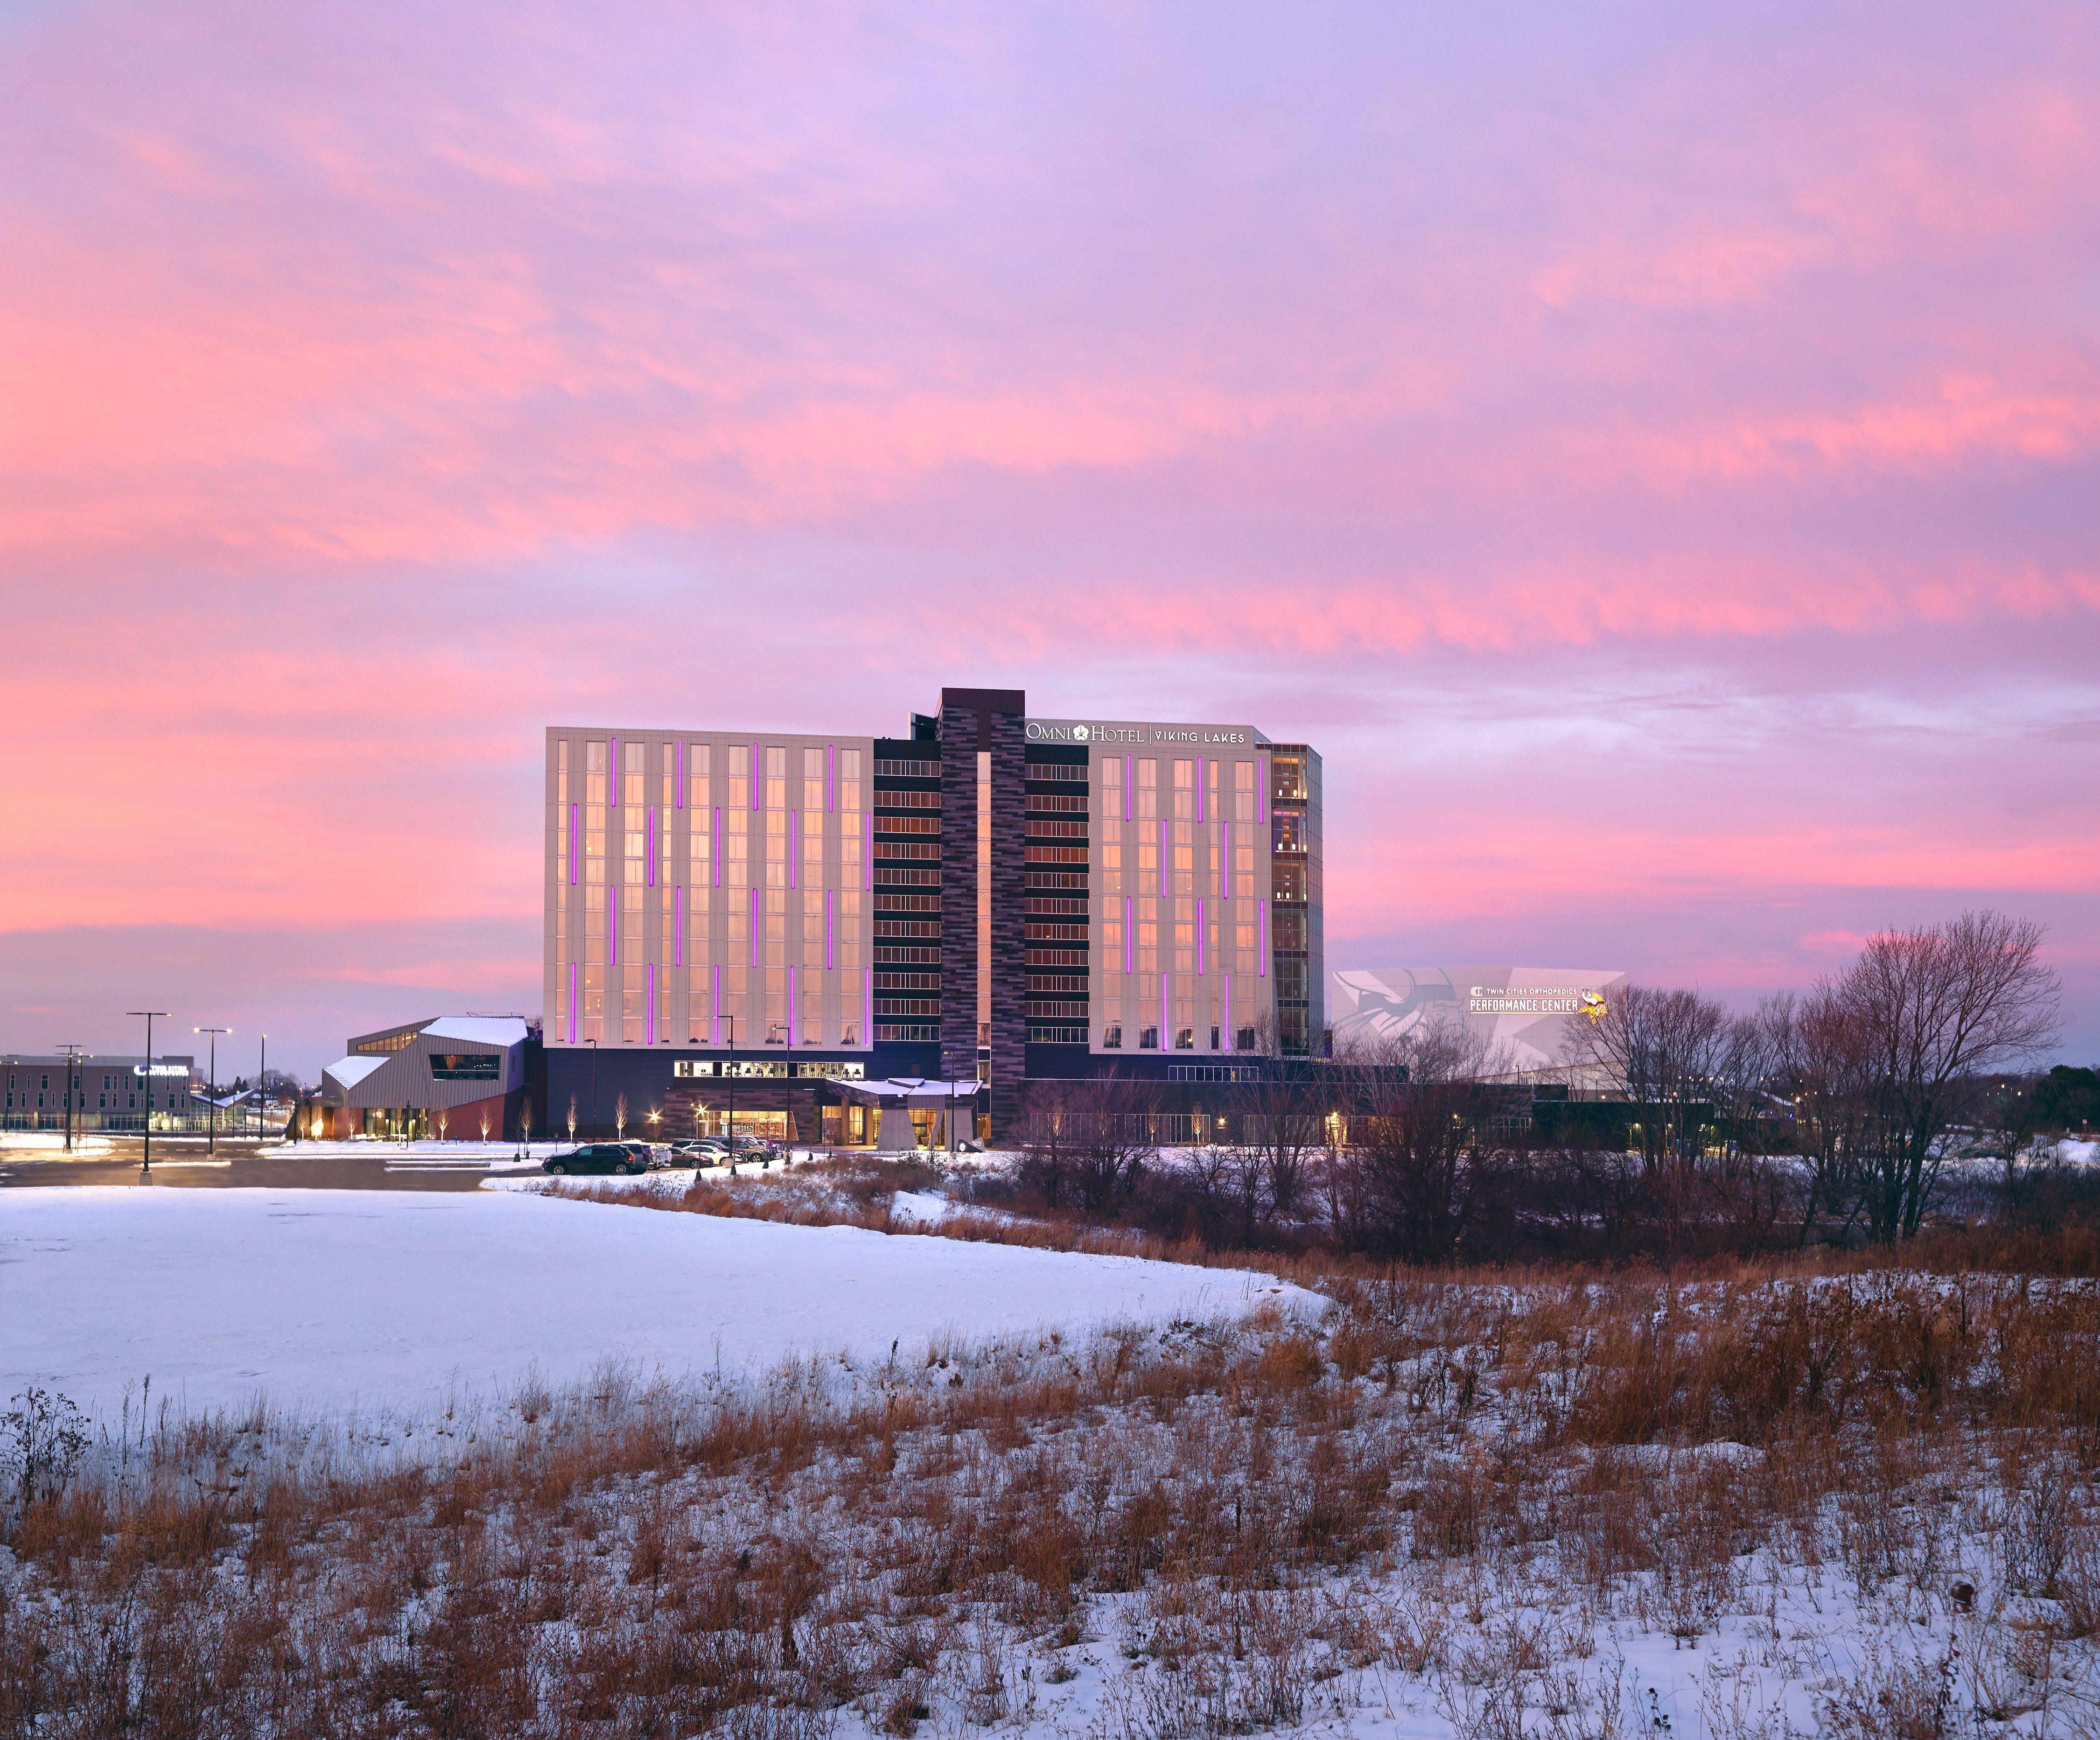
1445 1485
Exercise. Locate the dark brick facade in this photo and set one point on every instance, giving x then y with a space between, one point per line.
974 721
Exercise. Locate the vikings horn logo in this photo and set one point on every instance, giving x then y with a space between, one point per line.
1593 1006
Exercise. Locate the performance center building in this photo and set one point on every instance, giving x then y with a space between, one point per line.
992 899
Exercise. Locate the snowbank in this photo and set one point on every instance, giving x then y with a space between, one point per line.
334 1297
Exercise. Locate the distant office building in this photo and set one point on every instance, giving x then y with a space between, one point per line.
114 1094
992 897
1519 1014
453 1075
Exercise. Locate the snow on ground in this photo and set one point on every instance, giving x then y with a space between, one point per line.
42 1142
335 1297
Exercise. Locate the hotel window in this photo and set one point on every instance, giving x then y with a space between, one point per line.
1185 790
1243 791
1148 1039
776 927
1185 857
1185 936
1287 831
739 794
1148 860
594 775
1147 792
813 847
637 836
670 780
813 779
699 758
776 847
850 779
736 846
1111 949
848 929
634 762
776 778
1148 937
1109 773
1112 1037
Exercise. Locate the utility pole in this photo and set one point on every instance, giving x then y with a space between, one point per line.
262 1069
212 1098
593 1043
73 1054
146 1166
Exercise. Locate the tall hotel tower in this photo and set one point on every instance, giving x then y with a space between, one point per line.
994 898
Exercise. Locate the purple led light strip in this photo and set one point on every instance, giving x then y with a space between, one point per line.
1228 1012
681 773
612 925
1129 774
1261 959
718 846
1226 863
828 962
714 1019
652 845
757 774
652 1002
791 1007
794 843
1127 928
831 777
1165 1043
1199 938
867 1008
576 837
867 862
679 896
572 1002
612 772
1199 787
754 927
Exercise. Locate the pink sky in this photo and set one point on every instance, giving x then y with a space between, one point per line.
1651 453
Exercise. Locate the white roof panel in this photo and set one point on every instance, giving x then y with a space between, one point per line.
479 1030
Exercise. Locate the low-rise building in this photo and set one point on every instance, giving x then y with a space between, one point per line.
466 1077
110 1093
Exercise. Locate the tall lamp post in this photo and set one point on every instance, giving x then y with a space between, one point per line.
149 1014
731 1020
593 1043
262 1069
212 1098
73 1054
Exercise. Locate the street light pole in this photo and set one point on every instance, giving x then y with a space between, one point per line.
146 1166
731 1020
593 1043
72 1056
212 1098
262 1069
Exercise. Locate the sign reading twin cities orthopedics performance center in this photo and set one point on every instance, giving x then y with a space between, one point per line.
1485 1000
1039 732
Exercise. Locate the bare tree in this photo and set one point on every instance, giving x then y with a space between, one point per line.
1086 1143
1940 1009
1420 1168
1665 1051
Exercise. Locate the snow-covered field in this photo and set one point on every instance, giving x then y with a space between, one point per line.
334 1298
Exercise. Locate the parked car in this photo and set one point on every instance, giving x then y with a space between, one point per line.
597 1157
651 1154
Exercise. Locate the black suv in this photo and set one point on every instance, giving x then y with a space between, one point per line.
597 1156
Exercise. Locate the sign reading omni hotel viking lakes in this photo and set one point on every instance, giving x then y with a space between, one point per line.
1060 730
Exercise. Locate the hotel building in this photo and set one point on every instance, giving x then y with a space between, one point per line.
992 897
